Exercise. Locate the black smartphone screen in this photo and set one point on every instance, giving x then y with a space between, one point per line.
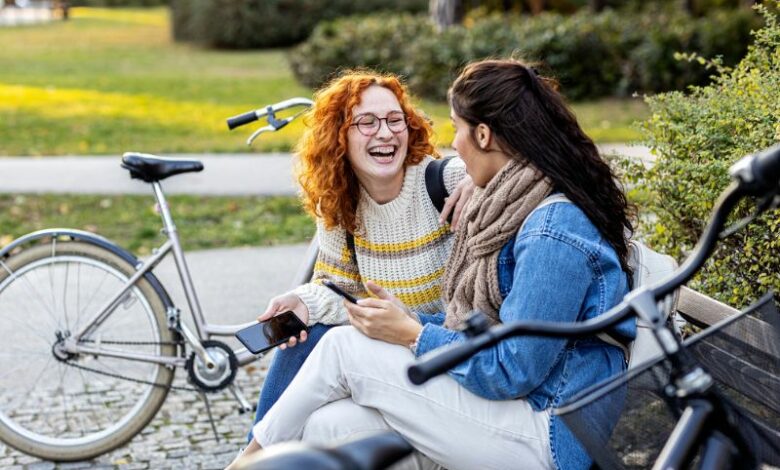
273 332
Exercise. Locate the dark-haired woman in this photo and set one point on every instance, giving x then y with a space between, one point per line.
514 258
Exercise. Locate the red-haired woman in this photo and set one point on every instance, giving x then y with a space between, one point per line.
362 167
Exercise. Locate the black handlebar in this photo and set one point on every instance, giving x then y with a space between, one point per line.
765 167
756 175
241 119
449 357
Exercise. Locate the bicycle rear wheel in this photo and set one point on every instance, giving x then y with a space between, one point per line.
77 409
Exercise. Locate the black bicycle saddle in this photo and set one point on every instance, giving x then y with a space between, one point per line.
151 168
370 453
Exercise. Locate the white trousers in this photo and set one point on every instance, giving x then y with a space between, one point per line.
352 386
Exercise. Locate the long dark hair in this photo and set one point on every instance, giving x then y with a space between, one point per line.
531 122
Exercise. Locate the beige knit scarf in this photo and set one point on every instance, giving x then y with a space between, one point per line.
492 216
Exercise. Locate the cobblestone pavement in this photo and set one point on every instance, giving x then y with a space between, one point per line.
179 437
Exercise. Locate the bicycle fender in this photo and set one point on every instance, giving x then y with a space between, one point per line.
94 239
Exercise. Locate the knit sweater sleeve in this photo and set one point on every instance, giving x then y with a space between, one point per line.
454 172
336 263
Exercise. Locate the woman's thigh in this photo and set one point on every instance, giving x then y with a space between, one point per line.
442 419
343 421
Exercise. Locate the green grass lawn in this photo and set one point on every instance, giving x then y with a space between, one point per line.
109 81
131 221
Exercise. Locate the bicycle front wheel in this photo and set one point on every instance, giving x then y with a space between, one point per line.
77 407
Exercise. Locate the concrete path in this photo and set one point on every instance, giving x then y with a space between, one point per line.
229 174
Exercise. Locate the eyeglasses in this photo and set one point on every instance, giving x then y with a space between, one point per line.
369 124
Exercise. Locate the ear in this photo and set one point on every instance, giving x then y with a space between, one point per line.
484 136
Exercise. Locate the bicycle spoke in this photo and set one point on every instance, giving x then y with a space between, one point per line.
65 297
28 327
78 294
96 291
33 292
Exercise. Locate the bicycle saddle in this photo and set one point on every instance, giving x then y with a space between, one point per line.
151 168
374 452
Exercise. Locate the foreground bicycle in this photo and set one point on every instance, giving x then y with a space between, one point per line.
699 382
97 338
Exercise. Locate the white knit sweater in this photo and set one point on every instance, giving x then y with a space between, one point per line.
402 247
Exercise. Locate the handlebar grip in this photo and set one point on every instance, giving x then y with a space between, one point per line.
445 360
766 168
241 119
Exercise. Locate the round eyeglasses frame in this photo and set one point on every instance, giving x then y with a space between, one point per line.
395 128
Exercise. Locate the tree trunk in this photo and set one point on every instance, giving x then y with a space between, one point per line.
536 6
446 13
596 5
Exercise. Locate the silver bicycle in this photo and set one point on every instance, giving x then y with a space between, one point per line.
92 338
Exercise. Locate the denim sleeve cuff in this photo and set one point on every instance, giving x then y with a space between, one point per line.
433 318
433 337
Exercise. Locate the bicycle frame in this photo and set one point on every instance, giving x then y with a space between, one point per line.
203 329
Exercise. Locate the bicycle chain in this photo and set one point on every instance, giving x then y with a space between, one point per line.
132 379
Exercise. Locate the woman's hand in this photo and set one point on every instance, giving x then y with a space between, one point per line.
286 303
385 318
456 201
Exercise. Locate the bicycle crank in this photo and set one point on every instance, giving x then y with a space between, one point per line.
216 378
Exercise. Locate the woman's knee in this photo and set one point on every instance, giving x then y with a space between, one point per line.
342 420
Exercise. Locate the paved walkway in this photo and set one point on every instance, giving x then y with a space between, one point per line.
230 174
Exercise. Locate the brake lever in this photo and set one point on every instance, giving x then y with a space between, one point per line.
256 134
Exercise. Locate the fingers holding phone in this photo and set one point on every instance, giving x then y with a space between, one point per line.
280 330
285 303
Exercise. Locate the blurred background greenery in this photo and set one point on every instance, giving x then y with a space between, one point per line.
161 76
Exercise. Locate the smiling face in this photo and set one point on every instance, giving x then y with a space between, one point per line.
378 160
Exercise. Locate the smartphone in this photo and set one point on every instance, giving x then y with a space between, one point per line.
263 336
338 290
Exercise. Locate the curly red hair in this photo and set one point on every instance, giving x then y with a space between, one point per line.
330 187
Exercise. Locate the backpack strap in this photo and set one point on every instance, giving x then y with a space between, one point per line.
434 183
437 191
351 247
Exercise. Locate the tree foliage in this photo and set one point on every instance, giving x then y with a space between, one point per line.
696 137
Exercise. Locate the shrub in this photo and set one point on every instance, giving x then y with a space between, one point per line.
610 53
267 23
696 137
375 41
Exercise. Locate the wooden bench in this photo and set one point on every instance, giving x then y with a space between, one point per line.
734 354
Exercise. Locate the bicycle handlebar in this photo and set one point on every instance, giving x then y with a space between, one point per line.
251 116
757 174
451 356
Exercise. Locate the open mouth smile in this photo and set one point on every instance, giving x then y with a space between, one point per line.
383 153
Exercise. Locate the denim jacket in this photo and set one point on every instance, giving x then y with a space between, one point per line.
557 268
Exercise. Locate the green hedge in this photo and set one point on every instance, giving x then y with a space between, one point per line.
609 53
696 137
267 23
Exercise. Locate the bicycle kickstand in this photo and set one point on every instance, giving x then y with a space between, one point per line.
211 417
243 404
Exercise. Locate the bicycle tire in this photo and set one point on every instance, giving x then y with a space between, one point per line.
29 419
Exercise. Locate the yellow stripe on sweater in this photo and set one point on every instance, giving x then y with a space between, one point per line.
334 270
403 246
415 299
407 283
